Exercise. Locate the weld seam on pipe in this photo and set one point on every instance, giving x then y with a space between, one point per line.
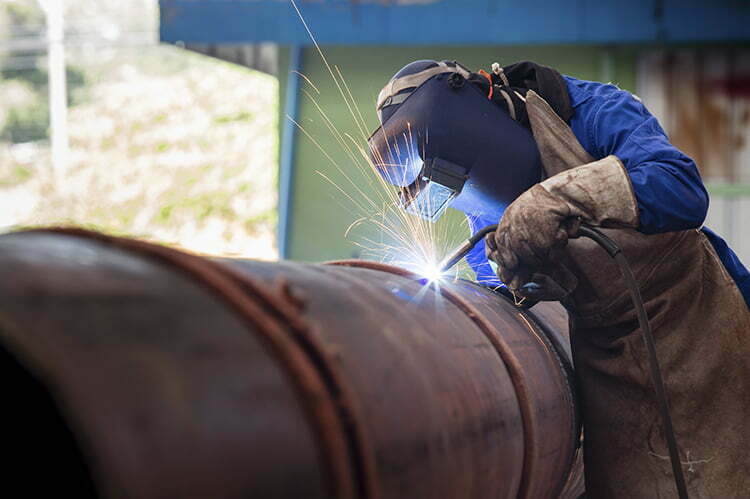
340 392
318 401
506 355
515 370
554 357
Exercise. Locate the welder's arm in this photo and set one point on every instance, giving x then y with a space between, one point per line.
666 182
537 225
667 192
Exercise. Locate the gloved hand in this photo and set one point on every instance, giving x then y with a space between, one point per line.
535 228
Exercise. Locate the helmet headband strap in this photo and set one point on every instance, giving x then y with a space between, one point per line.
387 95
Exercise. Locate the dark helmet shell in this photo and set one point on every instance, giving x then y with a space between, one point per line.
457 123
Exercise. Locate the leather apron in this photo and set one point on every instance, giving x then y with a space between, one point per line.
700 324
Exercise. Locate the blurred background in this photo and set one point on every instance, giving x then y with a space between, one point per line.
157 141
218 126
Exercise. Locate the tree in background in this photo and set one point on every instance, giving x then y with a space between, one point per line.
22 67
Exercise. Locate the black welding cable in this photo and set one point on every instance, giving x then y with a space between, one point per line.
648 338
481 233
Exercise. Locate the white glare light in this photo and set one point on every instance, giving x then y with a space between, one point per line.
431 272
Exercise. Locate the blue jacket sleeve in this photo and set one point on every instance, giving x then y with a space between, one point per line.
477 259
668 188
666 182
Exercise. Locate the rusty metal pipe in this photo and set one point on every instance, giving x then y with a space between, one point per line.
180 376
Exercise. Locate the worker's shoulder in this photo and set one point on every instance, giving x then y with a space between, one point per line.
594 93
599 110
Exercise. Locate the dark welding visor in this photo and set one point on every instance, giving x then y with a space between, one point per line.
447 144
434 189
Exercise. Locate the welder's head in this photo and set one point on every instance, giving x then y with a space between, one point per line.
446 144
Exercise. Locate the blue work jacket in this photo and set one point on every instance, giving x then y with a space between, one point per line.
668 188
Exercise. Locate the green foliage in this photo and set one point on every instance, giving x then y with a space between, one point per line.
265 218
12 175
31 122
26 124
25 17
142 163
238 116
76 81
197 207
38 79
34 76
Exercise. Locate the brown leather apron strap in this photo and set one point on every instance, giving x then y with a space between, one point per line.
558 146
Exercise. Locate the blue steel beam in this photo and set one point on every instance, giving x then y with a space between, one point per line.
446 22
288 149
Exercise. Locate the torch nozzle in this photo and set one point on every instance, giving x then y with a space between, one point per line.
461 251
455 256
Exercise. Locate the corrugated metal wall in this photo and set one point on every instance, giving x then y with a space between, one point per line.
702 98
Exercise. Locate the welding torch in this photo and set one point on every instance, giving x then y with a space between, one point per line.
457 254
614 251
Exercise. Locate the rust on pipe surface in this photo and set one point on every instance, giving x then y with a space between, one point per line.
515 369
536 462
180 376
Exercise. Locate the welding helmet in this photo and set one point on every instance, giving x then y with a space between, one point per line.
446 144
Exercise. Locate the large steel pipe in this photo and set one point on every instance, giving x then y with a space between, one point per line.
148 372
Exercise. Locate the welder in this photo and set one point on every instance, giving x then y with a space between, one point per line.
539 154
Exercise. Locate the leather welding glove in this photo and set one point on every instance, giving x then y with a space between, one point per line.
534 230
